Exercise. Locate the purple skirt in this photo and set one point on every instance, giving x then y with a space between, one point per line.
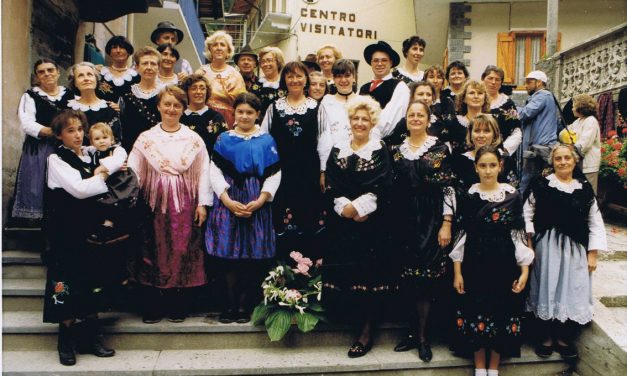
172 254
231 237
31 178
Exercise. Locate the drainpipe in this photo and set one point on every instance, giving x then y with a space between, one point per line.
551 26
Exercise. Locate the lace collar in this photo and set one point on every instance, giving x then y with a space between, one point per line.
282 105
500 100
173 81
364 153
469 155
199 112
463 120
413 155
496 196
271 84
141 95
127 76
570 187
258 132
74 104
55 98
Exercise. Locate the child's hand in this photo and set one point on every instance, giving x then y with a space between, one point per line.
235 207
254 205
357 218
101 169
200 215
519 285
458 283
349 211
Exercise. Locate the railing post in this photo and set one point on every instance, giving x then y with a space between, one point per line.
551 26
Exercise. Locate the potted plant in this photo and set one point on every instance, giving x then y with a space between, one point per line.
613 170
291 295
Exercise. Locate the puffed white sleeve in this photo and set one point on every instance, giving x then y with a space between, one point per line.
449 203
325 140
457 254
339 204
62 175
205 193
524 254
512 142
266 123
26 113
218 183
115 162
529 210
271 184
394 111
365 204
597 239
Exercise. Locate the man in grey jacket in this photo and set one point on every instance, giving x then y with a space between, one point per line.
540 119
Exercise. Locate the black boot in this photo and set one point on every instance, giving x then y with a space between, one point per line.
92 342
65 346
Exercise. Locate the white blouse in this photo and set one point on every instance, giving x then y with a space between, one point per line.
597 239
337 115
395 110
524 254
113 163
26 111
366 203
62 175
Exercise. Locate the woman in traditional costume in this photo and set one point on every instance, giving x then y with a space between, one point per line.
335 104
271 62
117 78
172 164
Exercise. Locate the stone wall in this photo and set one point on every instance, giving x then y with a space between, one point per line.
457 46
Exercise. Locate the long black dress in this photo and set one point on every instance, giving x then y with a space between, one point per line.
79 275
423 193
138 113
489 314
297 210
356 258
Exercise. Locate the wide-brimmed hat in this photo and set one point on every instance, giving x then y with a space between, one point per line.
245 51
383 47
166 26
311 63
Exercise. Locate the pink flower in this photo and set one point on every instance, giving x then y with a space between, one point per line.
292 294
306 261
296 256
318 262
302 268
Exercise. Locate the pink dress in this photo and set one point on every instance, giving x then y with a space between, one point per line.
221 99
173 171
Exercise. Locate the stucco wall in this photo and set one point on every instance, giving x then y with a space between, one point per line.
15 80
392 21
578 20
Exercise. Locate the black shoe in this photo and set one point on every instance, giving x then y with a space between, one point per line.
65 346
544 351
424 352
176 318
107 235
358 349
91 341
567 352
406 344
242 317
147 319
228 316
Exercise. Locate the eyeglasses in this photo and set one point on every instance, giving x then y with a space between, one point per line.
377 61
270 60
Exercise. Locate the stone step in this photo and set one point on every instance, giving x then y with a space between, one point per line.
25 271
22 294
22 238
24 330
268 361
28 257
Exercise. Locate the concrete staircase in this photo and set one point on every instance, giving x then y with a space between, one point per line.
201 345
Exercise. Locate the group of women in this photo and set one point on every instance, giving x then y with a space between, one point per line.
234 180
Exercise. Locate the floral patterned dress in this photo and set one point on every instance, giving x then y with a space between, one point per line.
111 88
267 92
423 194
489 314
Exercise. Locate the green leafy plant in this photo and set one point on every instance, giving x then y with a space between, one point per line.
291 294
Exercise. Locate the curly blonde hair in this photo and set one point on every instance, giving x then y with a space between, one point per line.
336 51
213 38
461 107
364 102
488 121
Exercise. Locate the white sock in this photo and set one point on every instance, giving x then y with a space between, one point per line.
493 372
481 372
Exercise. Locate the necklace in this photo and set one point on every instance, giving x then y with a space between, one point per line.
172 131
416 146
346 96
147 91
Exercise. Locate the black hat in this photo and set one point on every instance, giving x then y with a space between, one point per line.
121 41
245 51
166 26
383 47
311 63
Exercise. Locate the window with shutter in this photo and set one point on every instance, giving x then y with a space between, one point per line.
517 52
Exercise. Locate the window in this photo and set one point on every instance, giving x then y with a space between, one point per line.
517 53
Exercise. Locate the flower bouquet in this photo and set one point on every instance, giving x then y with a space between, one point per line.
291 294
614 160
